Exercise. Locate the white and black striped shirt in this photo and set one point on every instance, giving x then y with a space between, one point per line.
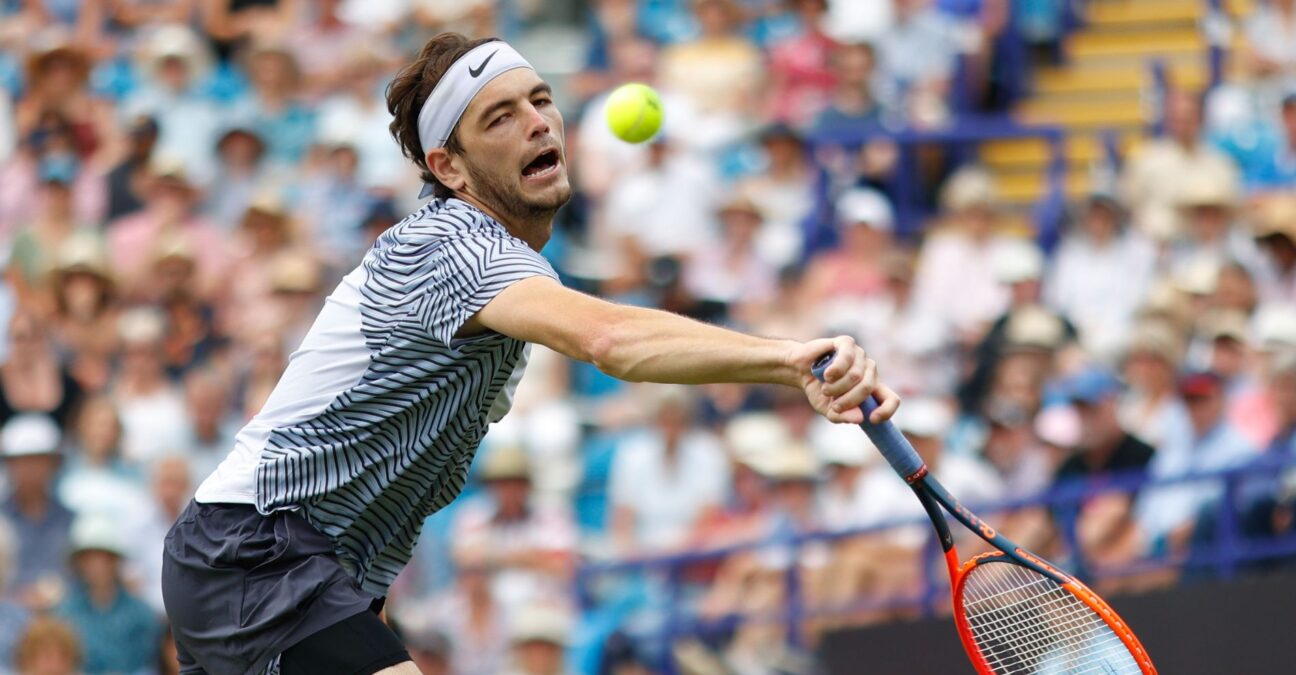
376 419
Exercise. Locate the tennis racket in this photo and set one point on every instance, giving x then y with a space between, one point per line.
1016 613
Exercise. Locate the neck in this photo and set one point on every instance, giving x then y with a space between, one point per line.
535 231
102 595
33 504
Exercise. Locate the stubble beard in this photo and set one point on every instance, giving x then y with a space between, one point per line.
510 202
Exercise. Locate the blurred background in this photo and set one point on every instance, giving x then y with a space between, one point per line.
1066 230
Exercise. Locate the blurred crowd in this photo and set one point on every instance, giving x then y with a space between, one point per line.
182 182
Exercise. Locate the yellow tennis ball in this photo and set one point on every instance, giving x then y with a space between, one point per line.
634 112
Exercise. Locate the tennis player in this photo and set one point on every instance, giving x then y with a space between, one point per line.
284 557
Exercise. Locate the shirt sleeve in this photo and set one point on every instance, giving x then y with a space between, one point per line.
468 272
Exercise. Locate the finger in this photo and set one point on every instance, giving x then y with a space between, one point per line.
847 416
843 361
850 380
862 389
888 403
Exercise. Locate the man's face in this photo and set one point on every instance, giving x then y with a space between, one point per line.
512 137
1205 410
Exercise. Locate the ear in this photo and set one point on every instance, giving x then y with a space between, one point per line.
447 167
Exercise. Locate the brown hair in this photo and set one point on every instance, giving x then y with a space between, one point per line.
410 89
42 634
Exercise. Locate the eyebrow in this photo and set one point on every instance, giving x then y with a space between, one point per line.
542 88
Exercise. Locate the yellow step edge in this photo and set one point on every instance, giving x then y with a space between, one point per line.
1127 13
1029 188
1086 45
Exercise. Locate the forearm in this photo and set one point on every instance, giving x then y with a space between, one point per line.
647 345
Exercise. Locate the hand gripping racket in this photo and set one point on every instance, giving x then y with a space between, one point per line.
1015 612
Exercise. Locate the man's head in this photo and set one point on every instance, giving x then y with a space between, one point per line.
507 475
98 548
31 446
1289 117
504 151
1093 393
1183 117
539 634
1203 393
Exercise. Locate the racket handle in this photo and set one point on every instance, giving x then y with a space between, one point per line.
895 448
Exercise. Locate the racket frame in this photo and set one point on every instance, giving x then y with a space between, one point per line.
906 462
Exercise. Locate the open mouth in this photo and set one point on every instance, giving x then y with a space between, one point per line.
546 163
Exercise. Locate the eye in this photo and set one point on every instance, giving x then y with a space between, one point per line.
543 101
497 121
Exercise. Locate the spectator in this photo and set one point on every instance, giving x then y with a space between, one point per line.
799 73
355 116
1023 464
211 426
57 74
430 651
239 177
956 278
1152 410
325 45
730 273
664 478
475 623
1102 270
168 216
172 488
917 56
854 100
32 452
48 647
1154 179
1026 325
1167 514
845 457
14 617
1272 165
126 177
784 192
117 631
1225 334
230 23
1105 532
1269 47
1104 445
856 270
33 379
665 210
151 407
274 109
49 149
266 231
175 65
1275 233
36 245
539 635
333 203
1208 236
603 158
83 321
719 72
530 546
96 480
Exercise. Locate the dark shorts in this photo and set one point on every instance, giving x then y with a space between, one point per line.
241 588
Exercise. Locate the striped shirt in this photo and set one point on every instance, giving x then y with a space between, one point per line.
377 417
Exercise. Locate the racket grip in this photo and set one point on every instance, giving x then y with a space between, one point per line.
895 448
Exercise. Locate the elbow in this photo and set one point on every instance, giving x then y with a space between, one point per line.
605 346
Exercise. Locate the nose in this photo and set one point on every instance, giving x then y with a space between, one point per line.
536 123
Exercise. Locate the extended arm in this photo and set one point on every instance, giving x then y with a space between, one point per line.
650 345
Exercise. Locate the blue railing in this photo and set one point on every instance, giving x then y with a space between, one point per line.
1227 552
960 139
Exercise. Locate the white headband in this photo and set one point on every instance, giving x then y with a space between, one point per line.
460 83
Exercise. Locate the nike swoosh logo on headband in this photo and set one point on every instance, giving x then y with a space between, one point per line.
478 70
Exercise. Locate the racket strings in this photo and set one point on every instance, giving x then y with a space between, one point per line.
1024 622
